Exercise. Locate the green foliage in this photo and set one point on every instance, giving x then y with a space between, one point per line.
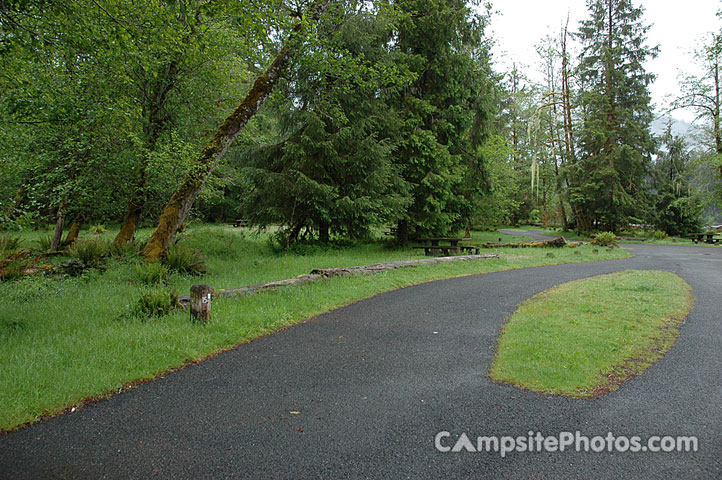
677 209
443 115
98 229
659 235
9 244
330 171
13 259
131 85
151 273
185 260
90 252
154 302
605 239
44 241
678 216
607 182
127 250
13 269
72 267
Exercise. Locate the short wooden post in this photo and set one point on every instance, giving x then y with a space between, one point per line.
201 303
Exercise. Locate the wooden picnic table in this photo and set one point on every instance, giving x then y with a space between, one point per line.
433 244
700 237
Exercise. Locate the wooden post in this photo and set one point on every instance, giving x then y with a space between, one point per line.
201 303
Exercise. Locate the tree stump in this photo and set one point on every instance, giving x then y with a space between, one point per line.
201 303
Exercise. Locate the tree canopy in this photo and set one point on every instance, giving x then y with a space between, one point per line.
349 115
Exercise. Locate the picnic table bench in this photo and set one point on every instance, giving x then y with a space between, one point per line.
434 244
704 237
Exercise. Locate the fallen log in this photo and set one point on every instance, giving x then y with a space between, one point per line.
380 267
321 273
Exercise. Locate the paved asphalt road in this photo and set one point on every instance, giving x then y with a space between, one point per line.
373 383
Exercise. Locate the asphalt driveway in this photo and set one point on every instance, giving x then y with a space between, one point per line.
361 392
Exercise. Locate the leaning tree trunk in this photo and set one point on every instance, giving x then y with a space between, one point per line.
74 231
131 219
59 226
157 119
180 203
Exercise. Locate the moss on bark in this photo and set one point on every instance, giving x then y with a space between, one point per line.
180 203
74 232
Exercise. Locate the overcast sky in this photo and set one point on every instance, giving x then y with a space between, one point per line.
678 27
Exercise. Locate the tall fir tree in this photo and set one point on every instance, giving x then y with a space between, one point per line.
607 181
443 113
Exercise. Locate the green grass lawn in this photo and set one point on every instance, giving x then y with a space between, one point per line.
584 338
63 340
484 237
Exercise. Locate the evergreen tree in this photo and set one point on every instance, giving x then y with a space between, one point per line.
607 182
443 114
676 210
331 170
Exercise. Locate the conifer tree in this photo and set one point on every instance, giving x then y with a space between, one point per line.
615 140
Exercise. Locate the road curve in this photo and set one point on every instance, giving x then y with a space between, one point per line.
362 391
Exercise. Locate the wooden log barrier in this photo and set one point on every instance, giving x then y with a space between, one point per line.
200 303
195 299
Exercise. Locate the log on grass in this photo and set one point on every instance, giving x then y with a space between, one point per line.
322 273
380 267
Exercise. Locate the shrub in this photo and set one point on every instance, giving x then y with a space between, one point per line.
659 235
151 273
9 245
186 260
127 250
13 269
72 267
44 242
155 301
605 239
97 229
91 252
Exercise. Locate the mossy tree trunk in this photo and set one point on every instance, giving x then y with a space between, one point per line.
130 221
59 225
74 231
182 200
157 118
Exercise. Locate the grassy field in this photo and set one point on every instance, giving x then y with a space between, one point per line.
584 338
66 339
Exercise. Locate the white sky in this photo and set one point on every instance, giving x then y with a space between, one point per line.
678 27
